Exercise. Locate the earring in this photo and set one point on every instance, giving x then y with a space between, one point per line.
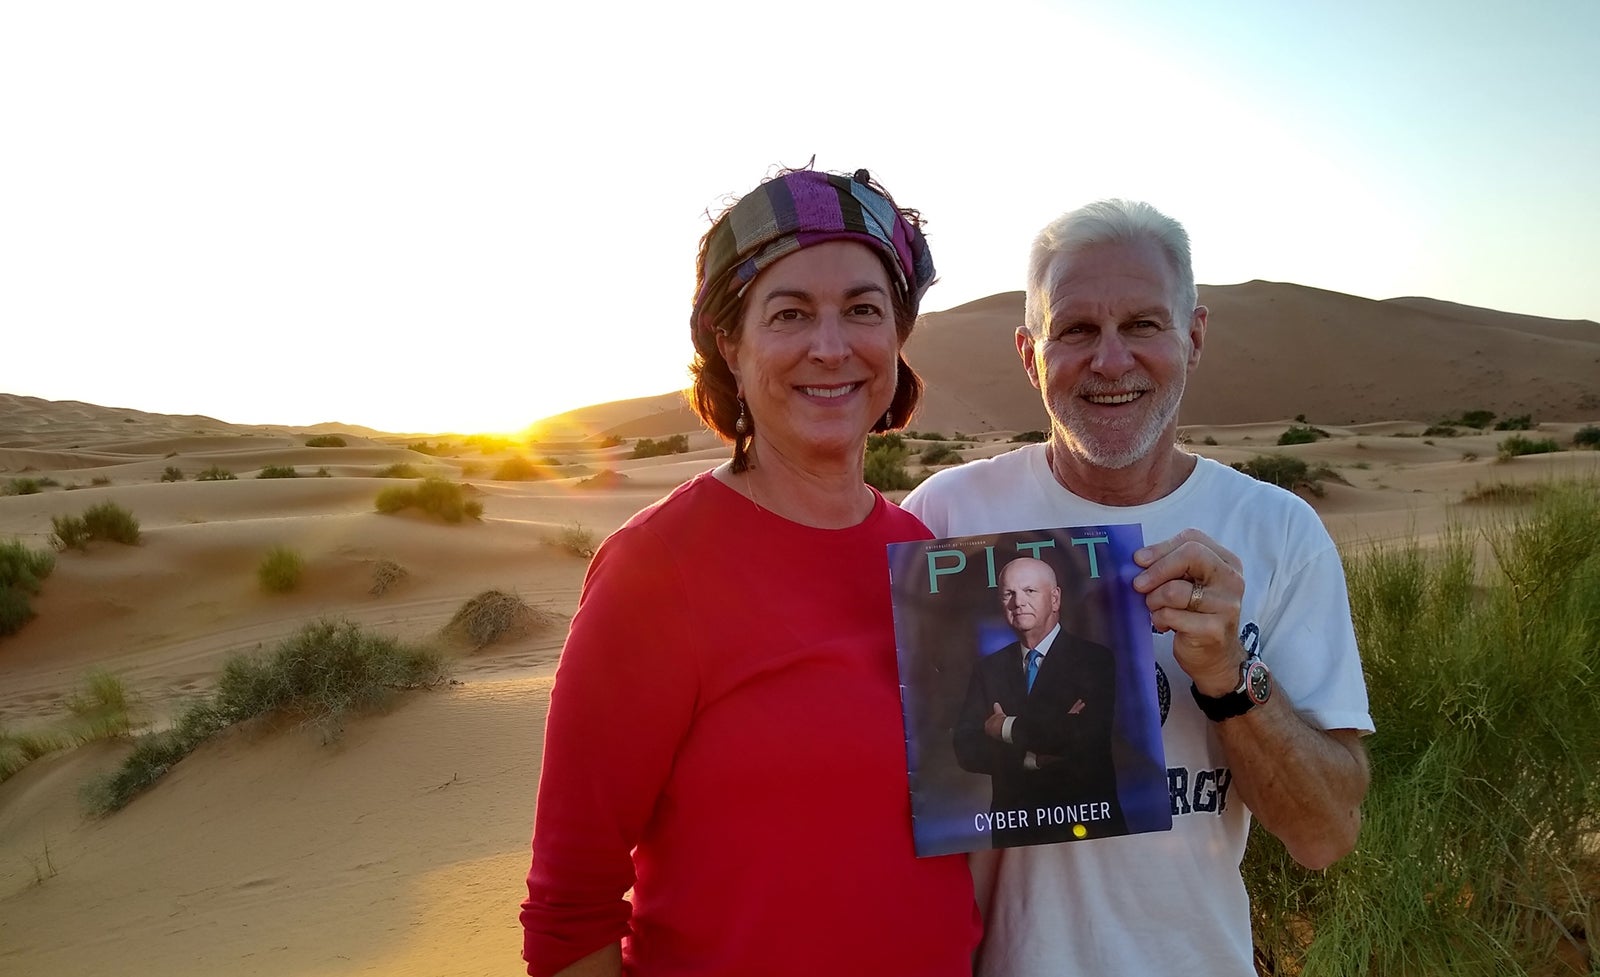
888 419
741 426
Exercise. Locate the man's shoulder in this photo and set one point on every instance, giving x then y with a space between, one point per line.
1226 487
973 476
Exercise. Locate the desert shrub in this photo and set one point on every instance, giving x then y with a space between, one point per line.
611 441
519 469
278 471
112 522
216 473
940 454
575 539
1209 440
436 496
322 472
1587 437
1484 684
1300 434
1518 445
1522 422
1031 437
1280 470
424 448
471 469
100 480
321 673
400 469
280 570
926 436
385 574
1473 418
889 440
1440 431
172 474
15 610
70 532
886 464
23 486
495 614
21 572
325 441
677 444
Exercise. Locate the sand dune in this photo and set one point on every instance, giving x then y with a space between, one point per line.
400 847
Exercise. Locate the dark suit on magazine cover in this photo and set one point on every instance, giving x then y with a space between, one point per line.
1065 722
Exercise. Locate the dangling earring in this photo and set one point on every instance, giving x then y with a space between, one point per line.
741 425
888 419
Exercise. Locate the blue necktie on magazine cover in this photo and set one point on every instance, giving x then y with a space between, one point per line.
1033 667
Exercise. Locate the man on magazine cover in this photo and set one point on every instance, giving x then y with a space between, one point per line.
1037 718
1263 701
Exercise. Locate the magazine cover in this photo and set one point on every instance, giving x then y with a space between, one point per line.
1028 683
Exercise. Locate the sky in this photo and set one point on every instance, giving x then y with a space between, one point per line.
464 217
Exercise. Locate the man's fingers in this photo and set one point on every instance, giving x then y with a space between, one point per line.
997 710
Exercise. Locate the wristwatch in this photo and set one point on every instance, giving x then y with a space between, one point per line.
1255 687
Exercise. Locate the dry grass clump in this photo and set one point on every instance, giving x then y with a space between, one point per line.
575 539
1503 493
605 478
495 614
385 574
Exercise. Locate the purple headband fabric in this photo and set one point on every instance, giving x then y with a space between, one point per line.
799 210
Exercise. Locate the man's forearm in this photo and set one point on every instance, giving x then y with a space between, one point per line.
1303 784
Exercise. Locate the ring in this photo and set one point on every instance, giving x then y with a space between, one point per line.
1195 595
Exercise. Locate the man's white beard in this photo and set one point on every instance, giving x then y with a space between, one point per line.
1117 446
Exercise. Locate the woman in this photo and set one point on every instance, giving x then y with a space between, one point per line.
724 733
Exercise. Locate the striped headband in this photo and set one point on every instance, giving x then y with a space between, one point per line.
795 211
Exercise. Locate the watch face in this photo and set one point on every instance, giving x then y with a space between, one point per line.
1257 682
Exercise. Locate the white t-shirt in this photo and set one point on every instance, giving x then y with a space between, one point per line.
1168 902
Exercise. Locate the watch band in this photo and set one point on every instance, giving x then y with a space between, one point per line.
1255 687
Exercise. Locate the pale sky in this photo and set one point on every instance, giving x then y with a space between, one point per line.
467 216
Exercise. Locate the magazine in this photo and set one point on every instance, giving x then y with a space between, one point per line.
1028 684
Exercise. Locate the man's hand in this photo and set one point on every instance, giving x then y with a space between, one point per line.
995 723
1194 588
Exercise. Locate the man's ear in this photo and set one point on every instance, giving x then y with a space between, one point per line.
1025 349
1197 334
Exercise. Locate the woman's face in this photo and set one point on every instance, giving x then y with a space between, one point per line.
815 356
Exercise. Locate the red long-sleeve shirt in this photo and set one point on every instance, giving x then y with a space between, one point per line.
725 738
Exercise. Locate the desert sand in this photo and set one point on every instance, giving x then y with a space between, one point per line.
400 847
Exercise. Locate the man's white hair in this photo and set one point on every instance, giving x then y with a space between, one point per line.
1106 222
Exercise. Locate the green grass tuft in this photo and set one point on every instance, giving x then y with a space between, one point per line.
1484 683
277 471
400 469
1517 445
321 674
280 570
436 496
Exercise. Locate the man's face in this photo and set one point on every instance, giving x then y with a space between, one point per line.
1030 596
1114 355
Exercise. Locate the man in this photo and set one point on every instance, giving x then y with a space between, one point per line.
1037 718
1254 646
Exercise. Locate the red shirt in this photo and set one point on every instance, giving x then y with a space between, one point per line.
725 738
